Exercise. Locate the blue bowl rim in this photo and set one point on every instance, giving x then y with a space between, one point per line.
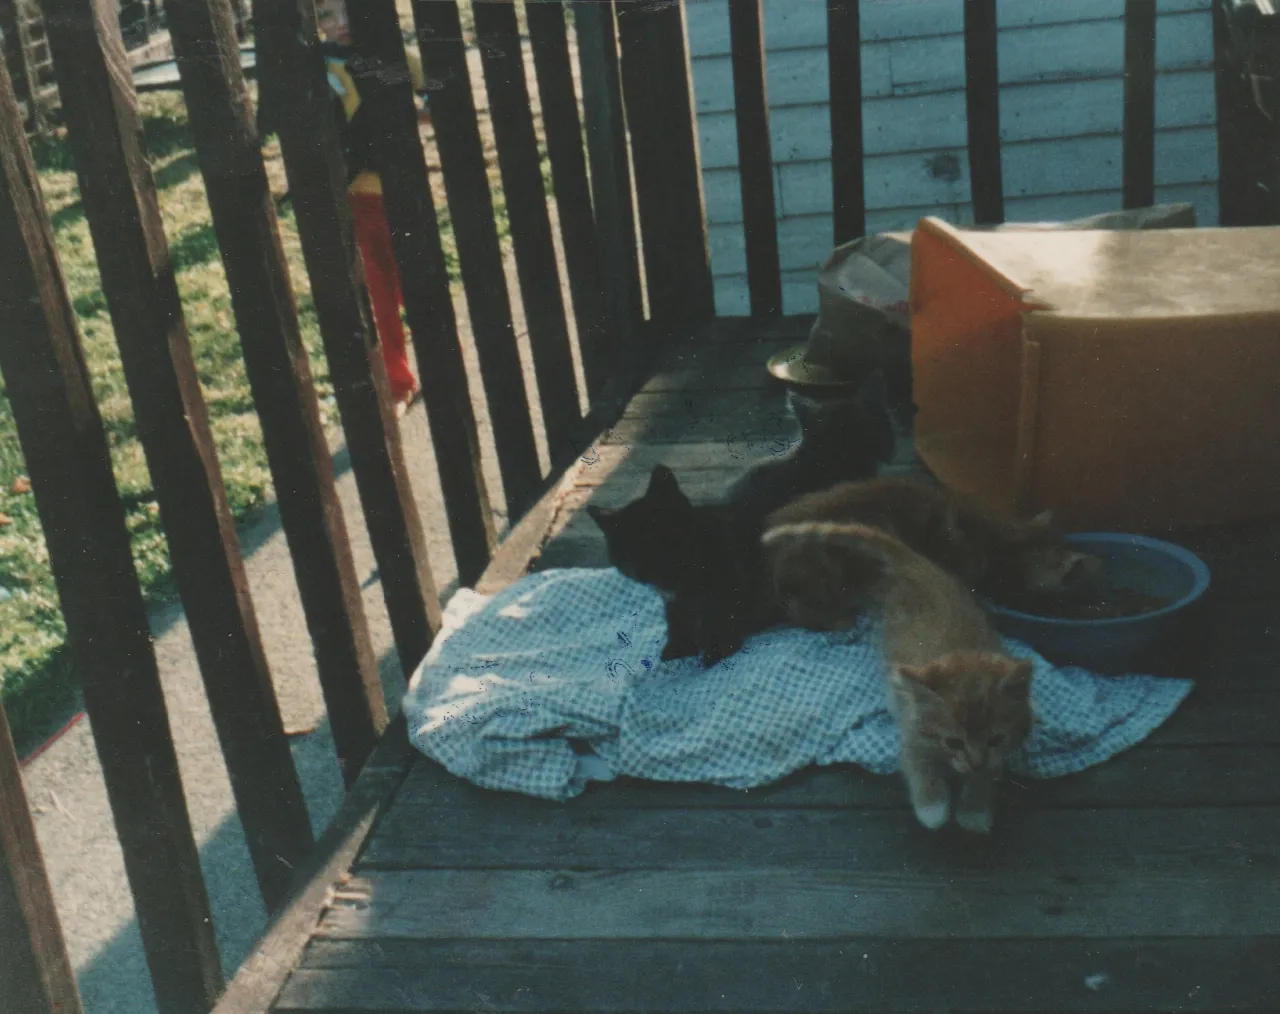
1200 582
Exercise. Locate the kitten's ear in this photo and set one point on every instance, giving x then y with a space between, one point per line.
664 485
1018 682
602 516
1042 521
901 674
805 411
1083 573
912 679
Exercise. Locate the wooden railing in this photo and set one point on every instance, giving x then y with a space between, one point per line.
640 141
66 449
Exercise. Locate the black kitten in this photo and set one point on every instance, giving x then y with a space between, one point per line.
698 557
841 439
706 560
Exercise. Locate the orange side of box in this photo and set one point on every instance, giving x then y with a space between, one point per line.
1121 407
966 347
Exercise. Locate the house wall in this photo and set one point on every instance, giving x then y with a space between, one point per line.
1061 73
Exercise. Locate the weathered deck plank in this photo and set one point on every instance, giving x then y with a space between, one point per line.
869 838
1146 884
717 366
1203 888
784 976
677 417
1146 776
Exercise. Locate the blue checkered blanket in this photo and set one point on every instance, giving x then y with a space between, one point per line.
557 680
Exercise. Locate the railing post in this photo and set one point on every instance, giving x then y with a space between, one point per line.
563 127
982 105
844 70
466 183
502 62
279 374
120 203
1139 103
34 966
659 101
65 446
755 156
424 280
604 118
291 75
1248 143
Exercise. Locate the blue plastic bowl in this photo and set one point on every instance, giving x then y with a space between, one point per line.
1116 645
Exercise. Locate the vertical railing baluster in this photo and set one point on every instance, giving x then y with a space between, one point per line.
755 156
121 204
291 75
844 71
424 281
520 166
1240 202
659 110
1139 103
466 181
982 106
604 119
563 128
244 224
34 965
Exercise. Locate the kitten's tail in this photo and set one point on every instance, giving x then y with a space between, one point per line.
864 540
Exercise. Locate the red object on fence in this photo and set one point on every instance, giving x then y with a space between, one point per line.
373 234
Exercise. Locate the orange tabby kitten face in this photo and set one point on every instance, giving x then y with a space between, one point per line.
971 708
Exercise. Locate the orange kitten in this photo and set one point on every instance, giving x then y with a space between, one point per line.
962 704
1006 560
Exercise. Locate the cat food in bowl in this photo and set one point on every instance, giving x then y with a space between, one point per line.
1150 585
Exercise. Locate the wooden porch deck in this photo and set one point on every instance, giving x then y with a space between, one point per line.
1151 883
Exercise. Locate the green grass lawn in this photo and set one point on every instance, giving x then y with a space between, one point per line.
35 674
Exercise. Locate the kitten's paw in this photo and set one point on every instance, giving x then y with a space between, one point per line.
719 651
714 656
975 821
676 649
679 644
933 815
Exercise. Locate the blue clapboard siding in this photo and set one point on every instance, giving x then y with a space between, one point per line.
1061 73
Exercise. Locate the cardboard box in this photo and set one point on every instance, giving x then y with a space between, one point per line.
1129 380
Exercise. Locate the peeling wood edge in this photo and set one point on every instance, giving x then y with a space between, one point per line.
264 973
525 542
